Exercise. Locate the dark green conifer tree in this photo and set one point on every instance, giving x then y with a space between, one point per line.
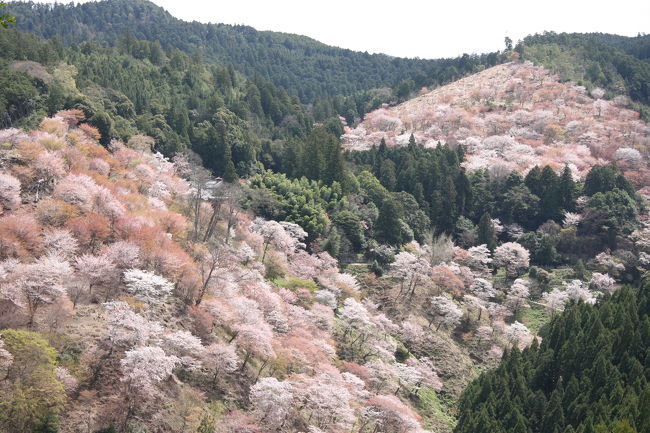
486 232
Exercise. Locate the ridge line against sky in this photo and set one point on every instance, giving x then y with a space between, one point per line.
412 28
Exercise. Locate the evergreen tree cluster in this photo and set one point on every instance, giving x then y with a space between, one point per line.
589 375
306 68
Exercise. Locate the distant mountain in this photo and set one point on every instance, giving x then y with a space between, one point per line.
305 67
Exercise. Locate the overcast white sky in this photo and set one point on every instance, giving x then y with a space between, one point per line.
424 28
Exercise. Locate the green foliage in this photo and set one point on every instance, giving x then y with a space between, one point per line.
6 19
589 371
301 201
432 409
390 228
546 254
312 71
579 270
605 178
293 283
31 395
617 208
486 233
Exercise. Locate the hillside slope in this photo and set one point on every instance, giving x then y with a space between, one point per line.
138 306
618 64
515 116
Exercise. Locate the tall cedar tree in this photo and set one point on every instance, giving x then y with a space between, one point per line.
486 232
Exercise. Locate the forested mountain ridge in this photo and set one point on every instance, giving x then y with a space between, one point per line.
303 66
137 87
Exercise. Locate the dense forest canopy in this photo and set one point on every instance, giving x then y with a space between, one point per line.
303 66
589 374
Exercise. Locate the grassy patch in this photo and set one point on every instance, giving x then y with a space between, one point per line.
434 411
293 283
558 276
534 318
357 269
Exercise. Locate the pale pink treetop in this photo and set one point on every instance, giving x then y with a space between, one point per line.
516 333
9 191
143 368
602 282
512 256
446 311
61 242
272 401
128 328
147 286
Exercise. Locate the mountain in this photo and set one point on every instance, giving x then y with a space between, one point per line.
303 66
514 116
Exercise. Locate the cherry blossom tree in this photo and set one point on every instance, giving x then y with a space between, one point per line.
143 368
283 236
415 374
388 414
19 236
609 263
516 333
219 359
571 219
272 401
48 168
483 289
127 329
513 257
602 282
479 259
123 254
42 282
69 382
445 312
95 270
6 358
517 294
147 286
555 300
91 230
628 155
185 346
354 314
410 270
61 242
577 291
324 400
77 189
255 340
